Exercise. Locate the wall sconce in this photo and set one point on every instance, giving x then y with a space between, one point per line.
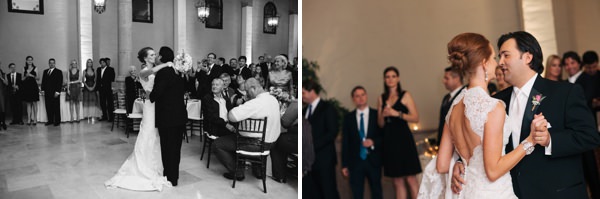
203 10
273 21
99 6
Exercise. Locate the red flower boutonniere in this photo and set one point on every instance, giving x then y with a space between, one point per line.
537 100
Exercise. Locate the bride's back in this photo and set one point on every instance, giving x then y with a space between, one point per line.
464 138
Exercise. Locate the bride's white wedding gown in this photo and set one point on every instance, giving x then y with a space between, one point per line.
478 104
143 169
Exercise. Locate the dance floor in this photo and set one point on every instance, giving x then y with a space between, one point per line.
74 159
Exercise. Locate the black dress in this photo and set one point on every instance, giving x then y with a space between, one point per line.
30 90
400 157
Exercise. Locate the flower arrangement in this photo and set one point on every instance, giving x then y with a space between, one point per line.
279 94
183 62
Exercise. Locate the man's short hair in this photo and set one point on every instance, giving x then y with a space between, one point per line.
223 75
589 57
243 57
357 88
232 59
573 55
526 43
252 83
222 59
51 59
310 84
215 55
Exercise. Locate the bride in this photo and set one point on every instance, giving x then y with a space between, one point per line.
143 169
476 130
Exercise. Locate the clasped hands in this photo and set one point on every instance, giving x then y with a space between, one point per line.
390 112
538 135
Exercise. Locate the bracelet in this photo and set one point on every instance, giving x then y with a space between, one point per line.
528 147
459 161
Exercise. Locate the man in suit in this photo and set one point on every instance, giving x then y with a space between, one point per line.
553 169
171 114
266 66
14 82
361 144
51 85
207 74
453 83
243 70
215 108
322 116
590 86
104 80
132 84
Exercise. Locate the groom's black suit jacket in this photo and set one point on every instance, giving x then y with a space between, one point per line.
573 132
168 93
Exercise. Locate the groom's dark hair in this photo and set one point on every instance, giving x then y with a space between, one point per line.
166 54
526 43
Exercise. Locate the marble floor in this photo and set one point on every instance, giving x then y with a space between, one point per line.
74 159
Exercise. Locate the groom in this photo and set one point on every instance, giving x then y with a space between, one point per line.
554 169
171 114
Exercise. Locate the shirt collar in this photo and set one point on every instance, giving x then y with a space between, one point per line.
526 89
315 103
365 111
573 78
455 91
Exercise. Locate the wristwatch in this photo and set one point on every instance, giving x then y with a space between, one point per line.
528 147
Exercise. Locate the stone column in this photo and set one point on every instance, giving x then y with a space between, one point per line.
180 26
85 32
247 31
125 29
293 37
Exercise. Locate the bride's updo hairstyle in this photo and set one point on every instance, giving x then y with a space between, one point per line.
143 53
467 50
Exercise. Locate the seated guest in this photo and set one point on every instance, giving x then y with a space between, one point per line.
227 90
132 84
240 93
286 144
261 105
215 108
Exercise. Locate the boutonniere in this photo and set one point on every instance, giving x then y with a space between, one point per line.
537 100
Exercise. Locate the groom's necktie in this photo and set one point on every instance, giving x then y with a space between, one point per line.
309 111
516 114
361 133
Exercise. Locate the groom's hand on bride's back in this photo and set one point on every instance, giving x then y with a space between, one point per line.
457 179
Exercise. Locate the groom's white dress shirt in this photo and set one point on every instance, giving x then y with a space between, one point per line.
516 111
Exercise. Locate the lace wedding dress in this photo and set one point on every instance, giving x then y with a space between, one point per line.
434 185
143 169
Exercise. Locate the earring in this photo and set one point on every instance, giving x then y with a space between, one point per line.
486 75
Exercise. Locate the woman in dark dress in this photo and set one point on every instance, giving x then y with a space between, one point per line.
30 90
74 91
400 159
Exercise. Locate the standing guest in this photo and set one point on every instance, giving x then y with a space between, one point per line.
286 144
207 74
3 92
30 90
215 108
190 83
105 78
225 68
396 109
243 70
267 66
320 181
453 82
260 106
14 83
361 145
554 68
294 70
74 91
590 62
240 96
132 84
500 81
52 85
90 96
